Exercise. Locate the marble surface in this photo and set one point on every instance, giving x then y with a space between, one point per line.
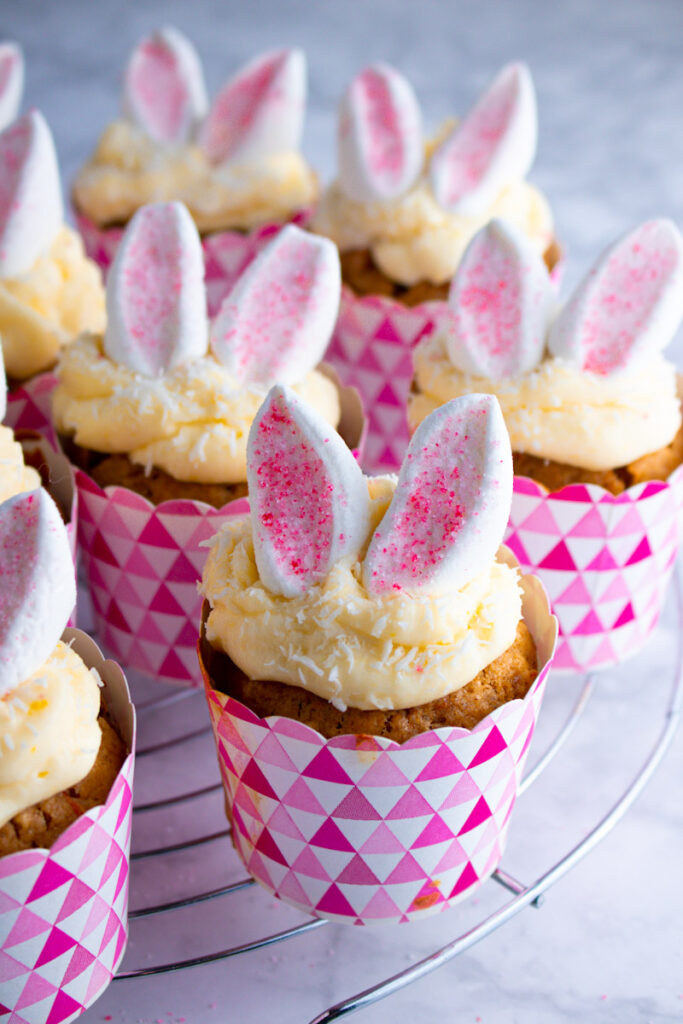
606 945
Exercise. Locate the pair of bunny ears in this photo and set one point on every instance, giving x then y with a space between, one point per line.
31 211
274 325
501 299
259 111
37 584
310 506
381 148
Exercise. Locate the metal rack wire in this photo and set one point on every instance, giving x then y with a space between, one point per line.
522 894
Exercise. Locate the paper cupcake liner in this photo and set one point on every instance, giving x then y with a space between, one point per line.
29 407
363 830
605 560
226 253
143 563
371 349
63 911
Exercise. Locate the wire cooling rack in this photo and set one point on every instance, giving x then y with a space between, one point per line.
185 763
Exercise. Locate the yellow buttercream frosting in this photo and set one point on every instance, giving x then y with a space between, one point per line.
43 309
192 422
560 412
49 733
129 169
351 648
15 477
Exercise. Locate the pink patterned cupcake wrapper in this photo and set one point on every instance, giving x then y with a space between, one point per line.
363 830
63 911
226 253
605 560
29 407
372 349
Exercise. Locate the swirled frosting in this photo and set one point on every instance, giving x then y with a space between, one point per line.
353 649
43 309
128 170
15 477
413 238
191 421
49 734
561 412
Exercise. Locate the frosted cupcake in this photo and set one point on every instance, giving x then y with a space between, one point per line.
593 410
236 165
49 290
349 614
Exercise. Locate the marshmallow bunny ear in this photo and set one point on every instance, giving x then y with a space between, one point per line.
163 87
308 496
451 505
494 145
156 300
275 324
37 584
31 211
630 302
259 111
500 301
379 135
11 82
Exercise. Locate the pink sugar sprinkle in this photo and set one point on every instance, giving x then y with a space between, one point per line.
158 89
382 134
473 145
295 501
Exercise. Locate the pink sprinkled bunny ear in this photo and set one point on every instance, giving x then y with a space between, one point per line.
308 496
451 505
494 145
630 303
37 584
275 325
379 135
11 82
31 210
259 111
500 302
163 88
156 300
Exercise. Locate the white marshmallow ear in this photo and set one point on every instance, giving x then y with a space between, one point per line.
275 324
259 111
308 497
500 301
37 584
163 87
451 505
11 82
630 303
31 210
156 299
379 135
494 145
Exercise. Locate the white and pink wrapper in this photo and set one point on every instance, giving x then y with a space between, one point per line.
363 830
63 911
605 560
29 407
226 253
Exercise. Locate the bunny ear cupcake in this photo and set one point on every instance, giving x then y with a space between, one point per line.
162 405
49 291
593 411
235 162
403 211
348 614
67 734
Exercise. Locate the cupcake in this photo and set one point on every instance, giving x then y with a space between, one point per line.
402 213
157 412
49 290
66 727
11 81
362 636
593 411
237 165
